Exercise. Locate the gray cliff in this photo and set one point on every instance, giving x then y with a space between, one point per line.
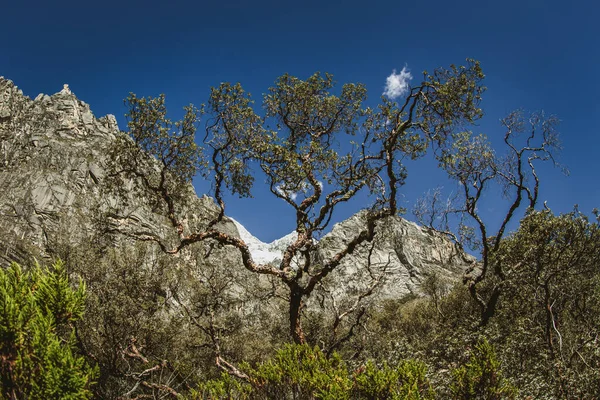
54 184
401 256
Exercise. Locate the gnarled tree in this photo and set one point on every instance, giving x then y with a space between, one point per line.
315 148
471 161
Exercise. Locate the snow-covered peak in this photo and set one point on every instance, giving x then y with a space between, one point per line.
246 236
264 253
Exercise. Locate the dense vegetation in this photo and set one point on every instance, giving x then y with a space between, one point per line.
151 318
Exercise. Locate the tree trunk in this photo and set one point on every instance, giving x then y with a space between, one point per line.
295 309
490 309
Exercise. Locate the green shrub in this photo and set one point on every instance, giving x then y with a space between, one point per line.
303 372
38 359
481 378
405 381
226 387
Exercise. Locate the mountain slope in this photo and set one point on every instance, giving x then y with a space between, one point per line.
403 253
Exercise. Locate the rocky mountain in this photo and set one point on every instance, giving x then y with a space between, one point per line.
55 189
402 253
55 183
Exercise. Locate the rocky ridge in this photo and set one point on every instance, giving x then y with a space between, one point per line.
53 176
54 182
403 253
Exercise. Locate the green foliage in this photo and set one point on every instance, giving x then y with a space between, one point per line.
303 372
481 377
37 340
226 387
544 332
453 98
309 133
406 381
128 306
548 318
296 143
137 296
157 156
171 143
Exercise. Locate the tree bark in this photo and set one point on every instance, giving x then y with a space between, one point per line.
295 309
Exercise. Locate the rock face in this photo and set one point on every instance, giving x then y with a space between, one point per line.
54 189
48 158
54 184
402 253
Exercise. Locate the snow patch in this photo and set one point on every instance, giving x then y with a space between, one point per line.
264 253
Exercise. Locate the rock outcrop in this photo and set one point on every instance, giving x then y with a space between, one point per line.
54 182
402 253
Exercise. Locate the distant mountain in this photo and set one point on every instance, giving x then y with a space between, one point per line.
264 252
403 253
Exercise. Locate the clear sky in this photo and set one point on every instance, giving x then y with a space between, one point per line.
536 55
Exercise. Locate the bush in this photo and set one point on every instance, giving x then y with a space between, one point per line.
303 372
405 381
38 358
481 377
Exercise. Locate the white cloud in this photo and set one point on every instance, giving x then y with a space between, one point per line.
294 195
396 85
283 192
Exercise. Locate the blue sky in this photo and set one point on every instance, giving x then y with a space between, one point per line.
535 54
